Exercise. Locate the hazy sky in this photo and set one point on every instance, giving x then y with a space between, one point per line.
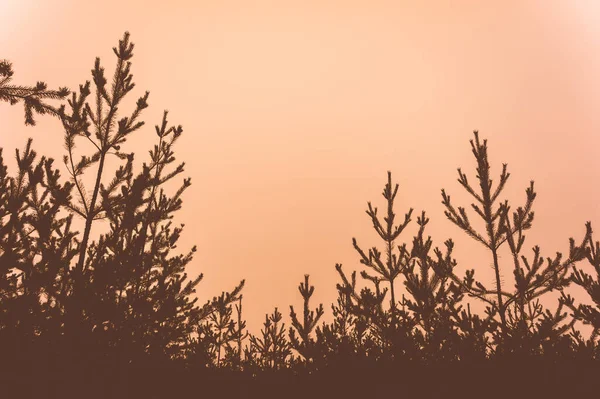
294 111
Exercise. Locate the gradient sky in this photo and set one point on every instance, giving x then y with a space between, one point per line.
294 111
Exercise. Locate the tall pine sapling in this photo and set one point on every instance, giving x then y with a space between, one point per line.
96 122
272 349
300 331
137 294
518 310
240 334
391 267
587 314
386 332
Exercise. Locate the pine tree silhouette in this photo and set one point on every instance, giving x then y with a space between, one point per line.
300 331
393 265
272 349
519 310
36 245
589 315
110 311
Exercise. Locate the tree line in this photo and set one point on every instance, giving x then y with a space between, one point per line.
108 310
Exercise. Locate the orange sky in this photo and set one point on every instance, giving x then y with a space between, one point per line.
293 114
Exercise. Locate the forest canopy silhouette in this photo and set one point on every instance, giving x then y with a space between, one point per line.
95 300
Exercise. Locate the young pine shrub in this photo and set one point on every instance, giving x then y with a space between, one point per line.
587 314
300 331
128 290
423 328
446 332
388 269
37 244
432 298
271 350
96 122
240 335
519 310
220 332
338 341
388 333
105 309
136 290
377 333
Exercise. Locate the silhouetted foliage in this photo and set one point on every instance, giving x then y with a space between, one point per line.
36 245
33 97
521 315
272 349
109 311
588 314
300 332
